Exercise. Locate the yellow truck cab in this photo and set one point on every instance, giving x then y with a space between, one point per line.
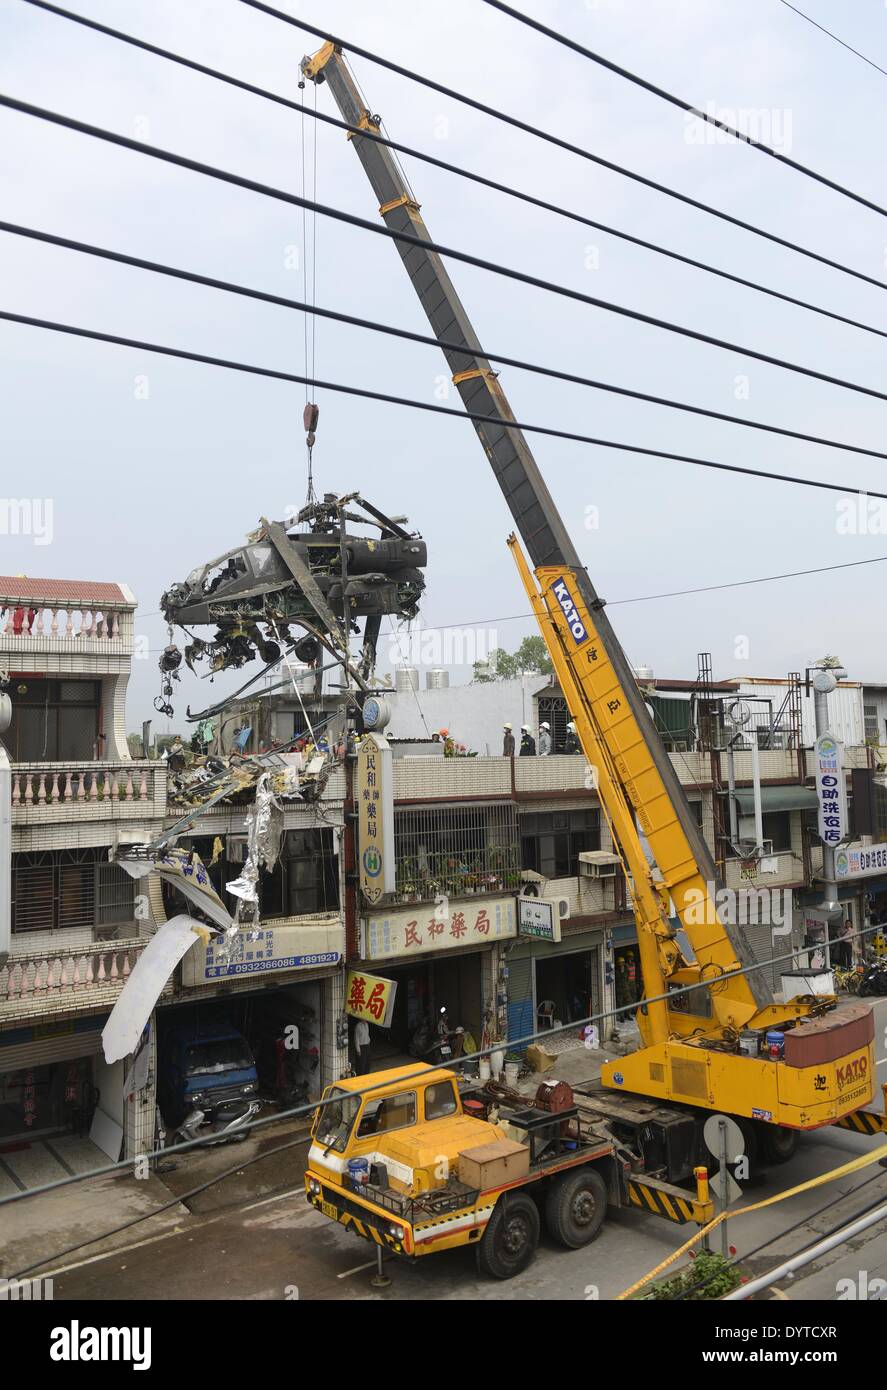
403 1165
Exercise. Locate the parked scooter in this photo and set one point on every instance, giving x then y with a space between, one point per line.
874 978
226 1126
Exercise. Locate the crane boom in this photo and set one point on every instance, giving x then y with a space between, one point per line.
645 770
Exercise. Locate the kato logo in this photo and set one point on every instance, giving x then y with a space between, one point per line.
561 591
853 1071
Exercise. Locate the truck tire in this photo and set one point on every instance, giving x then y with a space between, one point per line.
575 1208
778 1144
510 1240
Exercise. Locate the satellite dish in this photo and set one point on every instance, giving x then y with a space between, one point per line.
738 713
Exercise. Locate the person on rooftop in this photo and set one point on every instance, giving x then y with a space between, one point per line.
507 741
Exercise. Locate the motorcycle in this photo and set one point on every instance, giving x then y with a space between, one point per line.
225 1124
873 980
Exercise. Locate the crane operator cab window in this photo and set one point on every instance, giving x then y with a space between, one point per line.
391 1112
440 1100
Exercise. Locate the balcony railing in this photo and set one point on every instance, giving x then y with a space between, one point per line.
55 790
25 622
40 979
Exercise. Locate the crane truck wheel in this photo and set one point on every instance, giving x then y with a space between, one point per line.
778 1144
511 1238
575 1208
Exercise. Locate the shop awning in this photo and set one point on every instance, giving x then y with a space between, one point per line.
793 798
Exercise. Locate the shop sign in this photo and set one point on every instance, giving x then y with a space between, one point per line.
539 919
831 791
268 949
374 795
452 925
860 861
369 997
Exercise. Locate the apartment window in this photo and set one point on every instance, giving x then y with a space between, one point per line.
778 828
54 721
551 841
455 850
54 889
870 715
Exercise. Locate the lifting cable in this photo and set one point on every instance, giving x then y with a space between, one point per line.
426 339
427 245
480 179
388 399
686 106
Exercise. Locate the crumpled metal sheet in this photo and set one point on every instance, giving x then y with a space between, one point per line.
185 870
135 1003
264 835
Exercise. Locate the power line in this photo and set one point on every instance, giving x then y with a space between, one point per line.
458 171
390 399
556 140
686 106
337 214
822 29
425 339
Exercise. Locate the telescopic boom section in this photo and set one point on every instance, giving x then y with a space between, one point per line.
644 769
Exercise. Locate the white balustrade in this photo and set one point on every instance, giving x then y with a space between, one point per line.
51 785
48 974
18 620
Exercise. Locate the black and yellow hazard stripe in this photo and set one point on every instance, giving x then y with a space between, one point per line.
864 1122
667 1204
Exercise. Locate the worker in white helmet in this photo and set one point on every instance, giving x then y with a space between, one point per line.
571 741
544 740
507 741
527 742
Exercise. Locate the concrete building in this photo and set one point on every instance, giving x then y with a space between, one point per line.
78 926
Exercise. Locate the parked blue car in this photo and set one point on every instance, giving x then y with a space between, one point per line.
207 1067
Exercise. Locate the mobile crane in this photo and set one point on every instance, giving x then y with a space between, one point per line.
714 1037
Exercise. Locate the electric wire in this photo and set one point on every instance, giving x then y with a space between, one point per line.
313 311
822 29
460 172
555 140
338 214
454 412
686 106
516 1043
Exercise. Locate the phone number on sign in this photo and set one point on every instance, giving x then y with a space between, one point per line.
251 967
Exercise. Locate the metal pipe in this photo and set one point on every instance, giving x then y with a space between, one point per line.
808 1256
731 785
756 787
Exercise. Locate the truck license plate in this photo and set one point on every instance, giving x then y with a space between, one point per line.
329 1210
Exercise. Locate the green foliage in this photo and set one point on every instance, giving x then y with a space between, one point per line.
531 658
712 1271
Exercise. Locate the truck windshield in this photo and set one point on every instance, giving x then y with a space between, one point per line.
221 1054
337 1119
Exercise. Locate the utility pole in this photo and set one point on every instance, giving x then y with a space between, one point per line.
825 680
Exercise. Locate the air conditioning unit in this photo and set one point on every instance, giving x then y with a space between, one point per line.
599 863
749 850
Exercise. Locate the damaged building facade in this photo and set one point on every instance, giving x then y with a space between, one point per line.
79 924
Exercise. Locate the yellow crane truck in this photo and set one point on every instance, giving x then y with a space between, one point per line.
715 1039
416 1166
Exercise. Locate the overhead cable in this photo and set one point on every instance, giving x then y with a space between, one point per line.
425 339
454 411
460 172
555 140
707 116
338 214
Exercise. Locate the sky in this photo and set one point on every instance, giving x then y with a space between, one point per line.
153 466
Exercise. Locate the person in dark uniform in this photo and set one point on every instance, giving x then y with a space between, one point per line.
527 742
571 740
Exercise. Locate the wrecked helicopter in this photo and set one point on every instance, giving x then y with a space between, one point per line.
316 575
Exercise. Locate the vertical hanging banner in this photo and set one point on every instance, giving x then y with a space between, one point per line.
374 794
831 790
